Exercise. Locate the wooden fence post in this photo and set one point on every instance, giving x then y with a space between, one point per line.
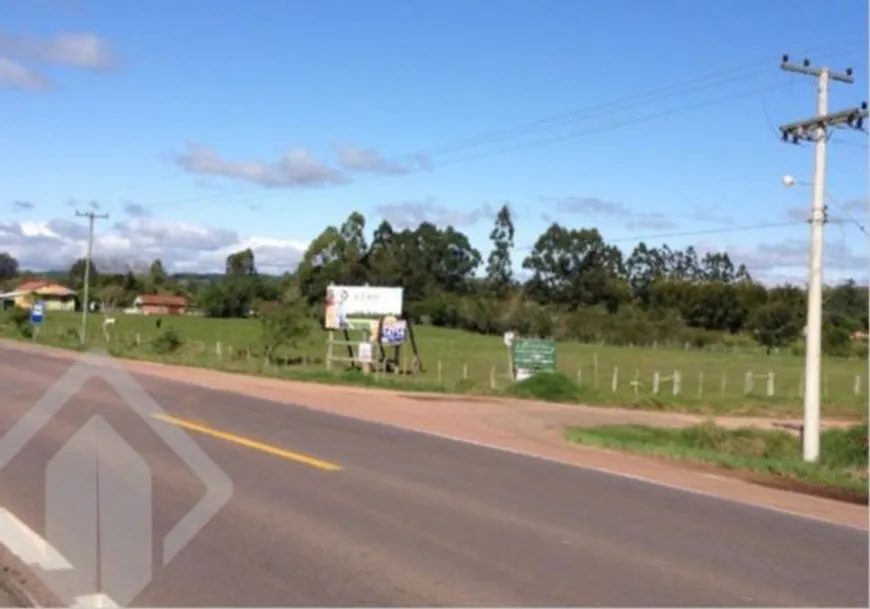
595 369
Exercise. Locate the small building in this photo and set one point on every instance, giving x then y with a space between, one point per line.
159 304
55 296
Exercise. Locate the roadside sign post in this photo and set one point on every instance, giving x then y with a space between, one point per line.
37 315
508 343
531 356
364 355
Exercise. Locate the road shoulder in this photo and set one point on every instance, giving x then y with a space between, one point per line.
533 429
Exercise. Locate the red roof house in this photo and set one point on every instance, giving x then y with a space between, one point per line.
160 304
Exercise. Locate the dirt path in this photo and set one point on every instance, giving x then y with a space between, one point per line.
521 426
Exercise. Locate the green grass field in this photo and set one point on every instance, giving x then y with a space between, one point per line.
711 382
774 454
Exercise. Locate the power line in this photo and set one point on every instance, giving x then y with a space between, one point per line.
618 125
716 79
693 85
709 231
850 144
242 197
594 111
708 81
852 219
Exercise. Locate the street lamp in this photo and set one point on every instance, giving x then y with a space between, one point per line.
788 181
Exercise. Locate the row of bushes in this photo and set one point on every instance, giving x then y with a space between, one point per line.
629 325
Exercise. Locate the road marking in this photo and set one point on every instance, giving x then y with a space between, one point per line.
30 547
247 442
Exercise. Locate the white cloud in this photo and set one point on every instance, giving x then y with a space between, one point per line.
371 161
591 205
595 207
14 75
296 169
788 260
798 213
650 221
134 243
410 214
136 210
72 49
857 207
75 50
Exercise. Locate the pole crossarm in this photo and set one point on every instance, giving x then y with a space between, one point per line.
808 129
806 69
91 214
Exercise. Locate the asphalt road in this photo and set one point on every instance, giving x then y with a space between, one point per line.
329 511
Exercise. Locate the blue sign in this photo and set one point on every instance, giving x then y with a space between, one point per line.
393 332
37 312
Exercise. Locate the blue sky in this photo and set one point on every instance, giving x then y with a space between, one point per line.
184 110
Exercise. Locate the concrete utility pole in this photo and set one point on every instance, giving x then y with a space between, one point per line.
92 217
816 129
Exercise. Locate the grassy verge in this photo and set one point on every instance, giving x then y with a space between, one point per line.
712 382
773 455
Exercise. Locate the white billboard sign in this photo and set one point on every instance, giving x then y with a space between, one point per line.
346 302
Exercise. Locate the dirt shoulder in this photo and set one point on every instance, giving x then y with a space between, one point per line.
533 428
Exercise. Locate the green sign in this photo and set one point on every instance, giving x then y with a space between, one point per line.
534 355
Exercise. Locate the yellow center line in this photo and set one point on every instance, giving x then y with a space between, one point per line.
247 442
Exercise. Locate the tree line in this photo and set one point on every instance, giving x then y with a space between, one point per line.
576 287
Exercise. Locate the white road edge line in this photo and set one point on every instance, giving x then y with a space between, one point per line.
31 548
520 453
35 551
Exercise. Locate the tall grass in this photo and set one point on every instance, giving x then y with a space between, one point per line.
843 461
